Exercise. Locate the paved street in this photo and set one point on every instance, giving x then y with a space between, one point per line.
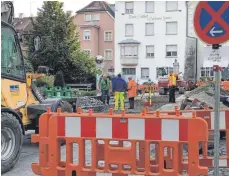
30 153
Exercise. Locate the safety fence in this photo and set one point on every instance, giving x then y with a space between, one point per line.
225 85
121 144
147 87
209 117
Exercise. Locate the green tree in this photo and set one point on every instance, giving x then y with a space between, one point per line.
60 43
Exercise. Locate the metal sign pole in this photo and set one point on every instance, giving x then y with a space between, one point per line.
217 71
210 31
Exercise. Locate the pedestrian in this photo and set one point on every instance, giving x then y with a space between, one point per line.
105 88
119 89
172 87
132 91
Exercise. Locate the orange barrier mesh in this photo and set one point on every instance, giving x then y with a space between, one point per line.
225 85
131 132
208 116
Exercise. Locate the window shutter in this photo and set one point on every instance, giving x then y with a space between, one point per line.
129 5
129 29
171 5
135 50
127 51
122 51
149 28
171 28
149 49
149 6
145 72
171 48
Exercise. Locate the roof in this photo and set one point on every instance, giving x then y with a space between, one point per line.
96 6
129 41
112 6
23 24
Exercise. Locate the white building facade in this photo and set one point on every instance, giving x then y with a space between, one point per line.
149 36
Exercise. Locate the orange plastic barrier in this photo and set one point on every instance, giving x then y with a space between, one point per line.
225 85
163 132
146 88
208 116
43 147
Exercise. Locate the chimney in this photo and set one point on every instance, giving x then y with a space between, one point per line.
20 15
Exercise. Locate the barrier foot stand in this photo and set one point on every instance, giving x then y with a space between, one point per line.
36 168
193 162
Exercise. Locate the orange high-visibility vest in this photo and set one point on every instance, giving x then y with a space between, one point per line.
172 80
132 89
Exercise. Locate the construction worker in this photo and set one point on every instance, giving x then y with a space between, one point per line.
132 91
113 81
119 88
105 87
172 87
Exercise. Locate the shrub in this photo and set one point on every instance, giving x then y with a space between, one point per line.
46 81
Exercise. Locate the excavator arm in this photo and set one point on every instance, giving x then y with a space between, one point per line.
7 11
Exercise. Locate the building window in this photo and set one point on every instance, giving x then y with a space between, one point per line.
144 73
108 54
207 72
149 29
128 71
171 5
129 7
163 71
86 35
171 50
129 30
88 51
108 36
87 17
111 70
129 51
96 17
150 51
171 28
149 6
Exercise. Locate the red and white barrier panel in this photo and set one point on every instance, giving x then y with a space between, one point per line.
124 128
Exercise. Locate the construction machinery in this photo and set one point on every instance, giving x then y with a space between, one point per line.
163 80
21 101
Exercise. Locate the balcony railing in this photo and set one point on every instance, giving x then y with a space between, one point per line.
126 60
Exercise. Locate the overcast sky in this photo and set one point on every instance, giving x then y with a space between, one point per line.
28 7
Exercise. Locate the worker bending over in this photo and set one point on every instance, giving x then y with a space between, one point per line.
132 91
172 87
119 88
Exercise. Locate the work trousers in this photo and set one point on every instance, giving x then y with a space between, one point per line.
172 98
105 93
119 96
131 101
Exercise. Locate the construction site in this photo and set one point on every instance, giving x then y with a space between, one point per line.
110 126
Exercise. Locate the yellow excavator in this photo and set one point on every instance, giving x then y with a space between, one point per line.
21 101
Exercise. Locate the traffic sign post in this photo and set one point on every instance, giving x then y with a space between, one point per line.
211 23
217 71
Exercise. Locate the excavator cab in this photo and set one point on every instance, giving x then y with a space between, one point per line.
21 102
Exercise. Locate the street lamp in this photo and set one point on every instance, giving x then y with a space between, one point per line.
99 64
